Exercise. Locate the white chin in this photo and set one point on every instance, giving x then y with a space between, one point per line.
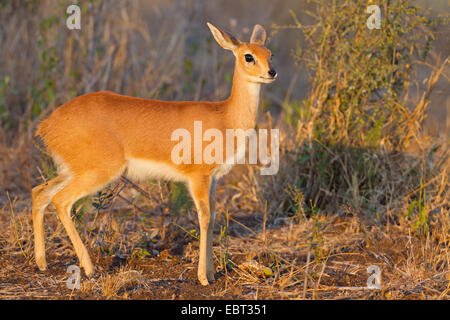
261 80
268 80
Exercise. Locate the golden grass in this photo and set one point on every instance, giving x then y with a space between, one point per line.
275 239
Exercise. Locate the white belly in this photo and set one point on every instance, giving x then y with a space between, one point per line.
140 169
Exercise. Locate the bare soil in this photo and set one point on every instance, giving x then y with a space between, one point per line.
148 256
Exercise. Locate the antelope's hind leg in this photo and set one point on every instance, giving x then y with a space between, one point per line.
42 195
78 187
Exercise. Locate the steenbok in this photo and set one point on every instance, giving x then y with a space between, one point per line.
97 137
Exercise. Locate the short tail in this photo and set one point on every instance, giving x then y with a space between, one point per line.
41 129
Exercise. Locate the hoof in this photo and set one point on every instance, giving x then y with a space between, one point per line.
42 264
203 281
90 271
42 267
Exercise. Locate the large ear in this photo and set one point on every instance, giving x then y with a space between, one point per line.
259 35
223 38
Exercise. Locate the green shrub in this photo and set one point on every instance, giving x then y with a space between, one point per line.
355 125
361 77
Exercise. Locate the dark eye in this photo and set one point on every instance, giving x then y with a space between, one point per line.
249 58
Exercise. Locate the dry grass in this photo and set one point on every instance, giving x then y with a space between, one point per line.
151 253
275 237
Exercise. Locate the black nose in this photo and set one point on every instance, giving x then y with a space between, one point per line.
272 73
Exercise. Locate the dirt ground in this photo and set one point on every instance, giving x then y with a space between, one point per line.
143 254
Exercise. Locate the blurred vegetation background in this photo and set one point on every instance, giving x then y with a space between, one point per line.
364 114
348 94
162 49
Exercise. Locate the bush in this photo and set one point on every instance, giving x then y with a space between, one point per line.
355 125
361 77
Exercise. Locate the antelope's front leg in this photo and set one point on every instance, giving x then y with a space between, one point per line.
200 192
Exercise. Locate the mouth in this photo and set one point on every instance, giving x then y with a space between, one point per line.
268 80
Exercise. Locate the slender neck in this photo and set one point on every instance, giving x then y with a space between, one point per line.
244 100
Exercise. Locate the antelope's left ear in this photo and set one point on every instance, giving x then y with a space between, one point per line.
259 35
224 39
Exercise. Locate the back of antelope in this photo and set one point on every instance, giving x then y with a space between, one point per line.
97 137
